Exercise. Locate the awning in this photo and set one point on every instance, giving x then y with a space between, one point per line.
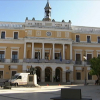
68 71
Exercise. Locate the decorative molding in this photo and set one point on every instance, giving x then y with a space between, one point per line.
3 47
89 50
14 47
1 66
78 50
78 68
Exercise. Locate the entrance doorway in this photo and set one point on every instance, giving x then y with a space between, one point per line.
58 74
48 74
67 77
38 73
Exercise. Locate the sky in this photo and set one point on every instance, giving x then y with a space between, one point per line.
80 12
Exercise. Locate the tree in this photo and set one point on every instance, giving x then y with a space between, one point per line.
95 67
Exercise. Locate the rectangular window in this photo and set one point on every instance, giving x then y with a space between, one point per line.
37 55
77 38
57 55
2 55
46 55
98 39
89 77
98 55
88 39
2 35
13 73
89 56
15 35
1 74
78 76
78 59
14 56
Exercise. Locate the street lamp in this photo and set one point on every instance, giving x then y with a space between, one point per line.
85 58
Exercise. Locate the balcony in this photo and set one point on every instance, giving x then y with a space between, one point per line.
14 60
88 41
47 61
78 62
2 59
88 62
77 40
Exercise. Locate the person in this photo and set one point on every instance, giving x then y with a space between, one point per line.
54 78
96 82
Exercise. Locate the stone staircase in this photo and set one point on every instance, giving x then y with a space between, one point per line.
53 83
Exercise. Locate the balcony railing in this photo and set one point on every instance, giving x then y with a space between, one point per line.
47 61
78 62
88 62
2 59
14 60
88 41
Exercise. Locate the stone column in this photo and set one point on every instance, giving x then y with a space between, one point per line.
43 76
64 76
53 74
32 50
70 51
64 51
53 51
71 77
42 50
25 50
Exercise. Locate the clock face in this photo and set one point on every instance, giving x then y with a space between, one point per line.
48 33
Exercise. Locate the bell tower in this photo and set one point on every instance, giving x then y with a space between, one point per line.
47 9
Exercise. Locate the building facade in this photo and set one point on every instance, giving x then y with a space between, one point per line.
56 49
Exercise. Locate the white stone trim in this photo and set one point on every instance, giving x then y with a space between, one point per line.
78 50
14 47
89 50
78 68
1 66
13 66
3 47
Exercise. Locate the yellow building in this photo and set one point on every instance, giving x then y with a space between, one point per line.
54 48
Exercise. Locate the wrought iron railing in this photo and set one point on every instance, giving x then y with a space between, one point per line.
46 61
14 60
2 59
78 62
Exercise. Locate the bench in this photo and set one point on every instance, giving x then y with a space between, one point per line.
70 94
6 85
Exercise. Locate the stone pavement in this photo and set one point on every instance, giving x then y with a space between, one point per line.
46 92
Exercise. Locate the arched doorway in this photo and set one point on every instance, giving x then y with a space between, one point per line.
48 74
58 74
38 73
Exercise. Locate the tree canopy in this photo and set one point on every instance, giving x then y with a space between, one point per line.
95 67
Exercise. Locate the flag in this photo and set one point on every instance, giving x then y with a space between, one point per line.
60 57
49 55
38 56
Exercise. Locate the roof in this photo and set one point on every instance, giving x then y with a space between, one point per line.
47 6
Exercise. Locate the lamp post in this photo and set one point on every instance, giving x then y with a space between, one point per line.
85 58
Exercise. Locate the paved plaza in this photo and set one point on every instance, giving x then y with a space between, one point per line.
46 92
